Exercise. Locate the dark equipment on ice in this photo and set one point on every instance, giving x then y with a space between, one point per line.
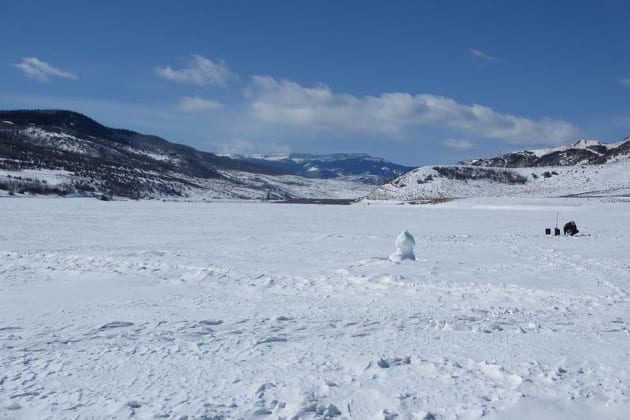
556 230
570 228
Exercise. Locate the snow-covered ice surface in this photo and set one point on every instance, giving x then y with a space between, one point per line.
148 309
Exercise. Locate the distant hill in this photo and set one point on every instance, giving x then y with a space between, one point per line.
65 152
584 168
356 166
583 152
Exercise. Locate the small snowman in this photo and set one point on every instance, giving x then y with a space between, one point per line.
404 247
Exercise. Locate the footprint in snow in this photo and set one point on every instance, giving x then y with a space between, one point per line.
611 330
272 339
13 406
9 328
388 415
319 410
211 322
115 324
260 392
397 361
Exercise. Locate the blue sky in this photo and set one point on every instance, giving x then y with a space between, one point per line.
414 82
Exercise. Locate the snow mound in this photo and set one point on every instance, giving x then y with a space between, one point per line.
404 247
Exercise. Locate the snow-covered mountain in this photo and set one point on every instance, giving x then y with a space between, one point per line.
581 152
352 166
582 169
65 152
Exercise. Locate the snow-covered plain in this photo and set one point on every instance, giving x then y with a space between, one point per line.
148 309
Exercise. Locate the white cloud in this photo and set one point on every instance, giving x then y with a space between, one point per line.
41 71
625 81
459 144
199 71
195 103
480 55
391 114
241 146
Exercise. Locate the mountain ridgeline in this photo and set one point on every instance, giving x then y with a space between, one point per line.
69 153
100 145
584 168
356 166
583 152
65 153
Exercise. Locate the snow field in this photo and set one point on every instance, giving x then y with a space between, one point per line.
259 310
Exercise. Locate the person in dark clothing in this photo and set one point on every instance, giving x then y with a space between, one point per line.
570 228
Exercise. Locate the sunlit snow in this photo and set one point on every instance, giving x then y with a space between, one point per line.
147 309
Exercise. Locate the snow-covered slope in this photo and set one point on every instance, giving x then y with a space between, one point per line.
579 153
96 160
233 185
437 182
245 186
583 168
